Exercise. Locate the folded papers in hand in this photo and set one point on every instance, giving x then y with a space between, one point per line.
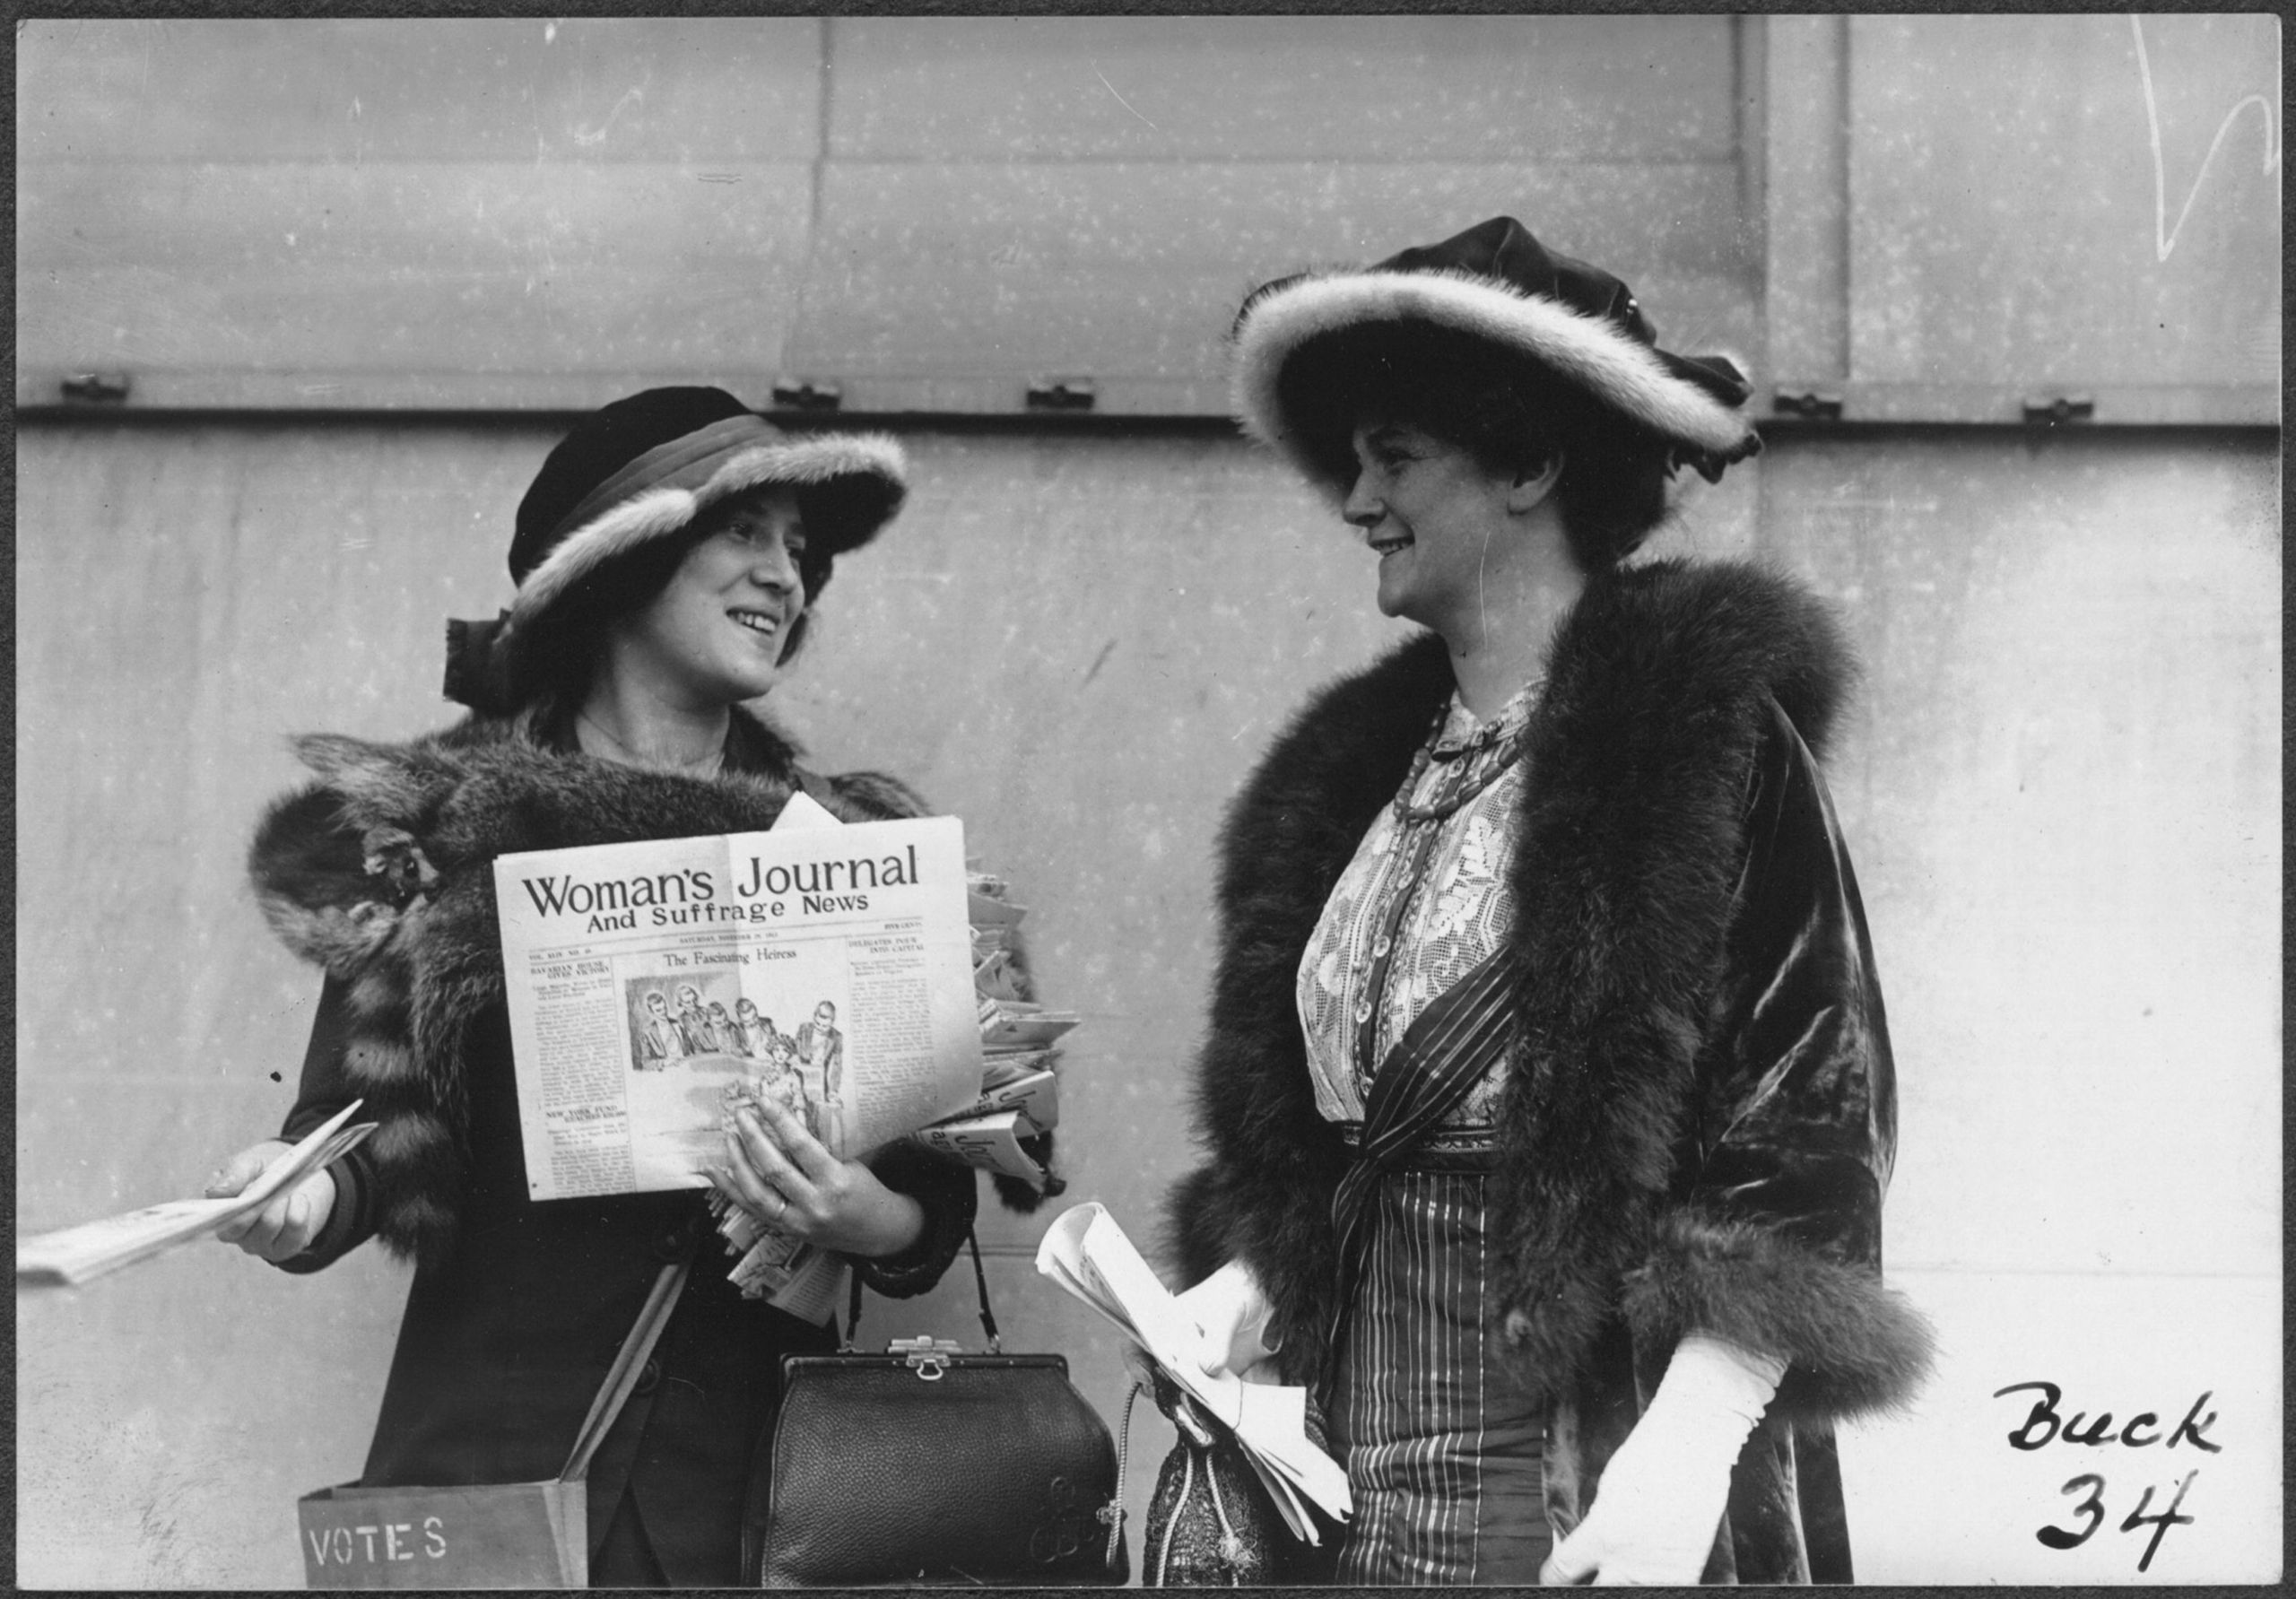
1086 1252
77 1254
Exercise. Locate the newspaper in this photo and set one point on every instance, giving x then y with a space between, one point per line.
1086 1252
831 965
997 1142
1005 1129
77 1254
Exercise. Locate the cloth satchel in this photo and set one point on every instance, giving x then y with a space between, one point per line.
493 1535
1211 1523
925 1464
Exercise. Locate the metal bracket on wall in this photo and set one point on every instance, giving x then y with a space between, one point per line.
1814 404
103 388
807 397
1060 393
2060 408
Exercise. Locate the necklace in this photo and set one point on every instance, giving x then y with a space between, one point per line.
1470 767
708 766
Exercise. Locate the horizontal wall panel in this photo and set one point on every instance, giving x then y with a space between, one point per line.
1969 212
692 91
2061 779
329 272
928 215
1282 89
934 282
2008 225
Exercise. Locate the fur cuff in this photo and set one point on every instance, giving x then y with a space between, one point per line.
1849 1343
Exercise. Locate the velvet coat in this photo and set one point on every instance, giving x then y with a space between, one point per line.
380 873
1701 1122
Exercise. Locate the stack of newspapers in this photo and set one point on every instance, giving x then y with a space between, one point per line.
1086 1252
1003 1131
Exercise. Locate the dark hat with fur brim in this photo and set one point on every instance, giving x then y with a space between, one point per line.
642 469
1497 284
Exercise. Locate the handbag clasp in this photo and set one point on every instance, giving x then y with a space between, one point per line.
928 1357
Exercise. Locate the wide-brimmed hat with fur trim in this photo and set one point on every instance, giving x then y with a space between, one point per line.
1496 284
640 470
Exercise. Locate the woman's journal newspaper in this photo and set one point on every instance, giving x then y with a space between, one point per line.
827 967
77 1254
654 987
1087 1253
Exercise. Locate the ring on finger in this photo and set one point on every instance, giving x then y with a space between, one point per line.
780 1204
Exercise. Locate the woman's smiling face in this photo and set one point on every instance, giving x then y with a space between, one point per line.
1429 510
716 631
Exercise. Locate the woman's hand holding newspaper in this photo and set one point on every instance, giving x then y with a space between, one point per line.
1230 1312
790 1180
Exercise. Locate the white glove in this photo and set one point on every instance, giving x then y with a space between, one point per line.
1230 1311
1661 1498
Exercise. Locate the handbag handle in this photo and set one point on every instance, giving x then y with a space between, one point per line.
628 1361
980 1283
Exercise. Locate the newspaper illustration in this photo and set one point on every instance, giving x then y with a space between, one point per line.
1086 1252
829 967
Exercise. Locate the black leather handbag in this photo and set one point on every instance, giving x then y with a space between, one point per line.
925 1465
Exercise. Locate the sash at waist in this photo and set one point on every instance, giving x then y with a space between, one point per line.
1444 1149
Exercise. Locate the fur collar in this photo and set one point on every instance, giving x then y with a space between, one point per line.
379 872
1659 685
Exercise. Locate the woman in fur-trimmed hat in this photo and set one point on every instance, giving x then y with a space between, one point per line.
667 559
1547 1102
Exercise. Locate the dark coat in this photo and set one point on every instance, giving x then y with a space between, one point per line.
382 873
1703 1120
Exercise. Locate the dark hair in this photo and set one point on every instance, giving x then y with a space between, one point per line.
1510 413
558 654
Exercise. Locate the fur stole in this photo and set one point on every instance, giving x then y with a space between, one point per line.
1662 684
381 873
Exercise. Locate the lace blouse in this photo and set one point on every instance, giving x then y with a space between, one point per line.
1460 910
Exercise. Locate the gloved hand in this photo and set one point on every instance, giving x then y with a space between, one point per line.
1230 1311
1661 1498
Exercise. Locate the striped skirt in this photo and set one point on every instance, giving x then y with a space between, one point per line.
1442 1447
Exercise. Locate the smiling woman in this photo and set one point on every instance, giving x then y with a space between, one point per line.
667 557
716 634
1548 1101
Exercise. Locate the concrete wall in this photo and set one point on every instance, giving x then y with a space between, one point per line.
2061 790
2062 785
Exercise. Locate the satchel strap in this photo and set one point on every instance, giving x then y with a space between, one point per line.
851 1345
980 1282
1112 1513
623 1376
